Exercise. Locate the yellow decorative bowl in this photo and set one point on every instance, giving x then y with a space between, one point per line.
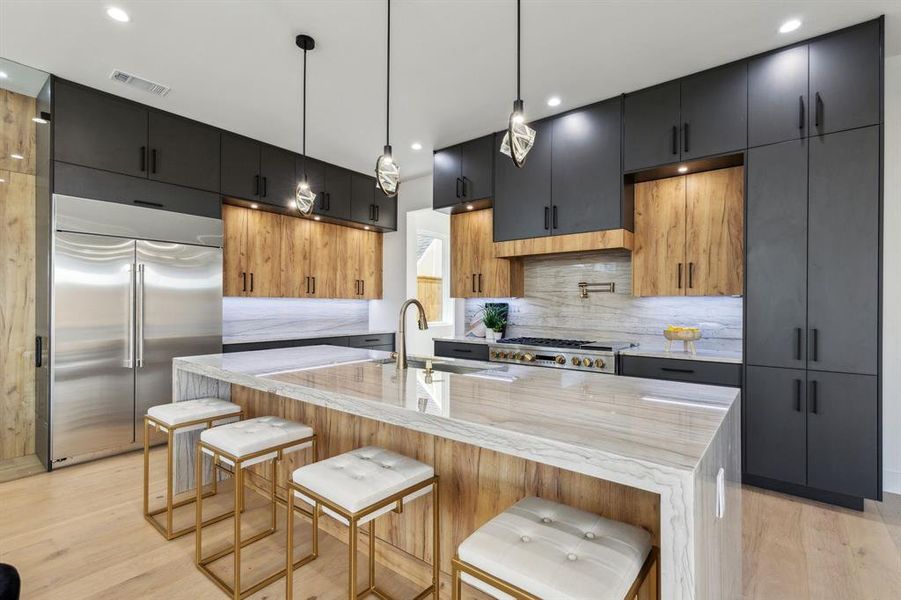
682 334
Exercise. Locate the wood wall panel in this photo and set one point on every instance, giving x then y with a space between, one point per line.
476 484
17 132
429 292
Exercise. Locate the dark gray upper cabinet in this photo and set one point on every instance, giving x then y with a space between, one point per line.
843 434
585 158
522 197
338 187
777 97
334 204
651 125
463 173
845 79
446 181
775 432
98 130
277 174
776 248
715 111
370 206
385 209
843 250
183 152
240 168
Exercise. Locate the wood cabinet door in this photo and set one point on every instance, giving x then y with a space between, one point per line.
477 168
776 298
240 168
522 197
183 152
494 277
714 228
845 80
278 177
350 242
264 253
446 181
715 111
775 424
843 433
651 127
234 250
466 249
843 252
370 264
777 97
322 260
295 253
658 255
586 184
98 130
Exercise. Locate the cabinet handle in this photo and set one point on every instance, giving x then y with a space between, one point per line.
459 183
480 282
256 185
313 279
143 158
685 138
459 351
675 370
814 344
243 281
817 109
797 395
328 199
265 186
680 277
675 140
546 218
362 287
555 216
473 282
465 187
814 403
800 112
691 272
306 281
378 212
371 211
153 161
798 341
251 281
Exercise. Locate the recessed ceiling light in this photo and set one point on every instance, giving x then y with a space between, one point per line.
789 26
40 120
117 14
416 146
16 156
3 75
683 169
554 101
469 207
254 206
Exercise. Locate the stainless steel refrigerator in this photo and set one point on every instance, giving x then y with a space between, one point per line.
131 289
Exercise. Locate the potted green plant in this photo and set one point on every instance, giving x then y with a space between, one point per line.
495 320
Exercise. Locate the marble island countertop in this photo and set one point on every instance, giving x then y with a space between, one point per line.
662 423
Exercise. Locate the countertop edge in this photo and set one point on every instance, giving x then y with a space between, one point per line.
232 341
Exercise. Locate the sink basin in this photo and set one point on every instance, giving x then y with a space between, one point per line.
445 367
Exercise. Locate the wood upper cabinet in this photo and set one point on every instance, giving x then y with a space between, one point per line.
689 237
234 250
252 251
360 267
476 272
310 259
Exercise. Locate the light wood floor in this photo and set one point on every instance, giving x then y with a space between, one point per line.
79 533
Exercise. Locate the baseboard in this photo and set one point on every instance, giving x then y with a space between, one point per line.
891 481
852 502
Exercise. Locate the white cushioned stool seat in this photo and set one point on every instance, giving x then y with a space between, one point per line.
362 477
555 551
176 413
243 438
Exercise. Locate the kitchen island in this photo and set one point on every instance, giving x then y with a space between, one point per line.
658 454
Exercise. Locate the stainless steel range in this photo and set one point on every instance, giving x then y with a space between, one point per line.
581 355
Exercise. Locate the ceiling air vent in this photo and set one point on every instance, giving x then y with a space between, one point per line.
142 84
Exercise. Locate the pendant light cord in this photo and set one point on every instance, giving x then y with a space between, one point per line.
518 76
304 134
388 84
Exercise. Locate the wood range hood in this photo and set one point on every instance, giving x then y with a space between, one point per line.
610 239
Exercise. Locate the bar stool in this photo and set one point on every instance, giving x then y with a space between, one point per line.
242 445
354 488
542 549
179 417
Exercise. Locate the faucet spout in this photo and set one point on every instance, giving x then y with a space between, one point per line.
401 360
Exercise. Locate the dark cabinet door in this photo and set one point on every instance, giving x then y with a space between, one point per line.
97 130
777 97
446 181
843 252
522 196
362 205
651 127
315 172
842 433
477 168
776 424
338 188
776 247
715 111
240 168
585 188
845 88
183 152
385 209
278 180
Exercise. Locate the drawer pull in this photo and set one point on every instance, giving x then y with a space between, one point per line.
675 370
460 350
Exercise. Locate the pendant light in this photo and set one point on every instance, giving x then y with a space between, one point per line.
519 138
386 172
304 197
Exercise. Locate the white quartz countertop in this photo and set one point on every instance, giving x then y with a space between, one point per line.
660 424
250 338
723 356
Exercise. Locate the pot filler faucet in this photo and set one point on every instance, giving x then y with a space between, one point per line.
401 361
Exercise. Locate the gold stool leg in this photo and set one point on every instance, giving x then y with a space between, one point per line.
436 540
371 555
315 529
169 483
198 508
352 563
455 582
239 494
146 468
272 496
289 551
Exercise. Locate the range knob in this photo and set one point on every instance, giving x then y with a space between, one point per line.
528 357
494 354
586 362
518 356
560 360
576 361
599 363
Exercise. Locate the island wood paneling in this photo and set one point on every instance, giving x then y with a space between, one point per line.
476 484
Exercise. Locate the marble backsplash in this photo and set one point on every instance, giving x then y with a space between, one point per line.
255 319
552 307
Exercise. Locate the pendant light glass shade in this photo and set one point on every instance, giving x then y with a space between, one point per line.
304 198
519 138
387 173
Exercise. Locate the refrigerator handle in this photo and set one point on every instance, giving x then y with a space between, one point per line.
129 361
139 315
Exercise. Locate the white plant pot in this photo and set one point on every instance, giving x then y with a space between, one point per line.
491 335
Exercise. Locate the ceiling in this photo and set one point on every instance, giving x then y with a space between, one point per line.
233 64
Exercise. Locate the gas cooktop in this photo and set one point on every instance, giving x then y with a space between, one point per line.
583 355
564 343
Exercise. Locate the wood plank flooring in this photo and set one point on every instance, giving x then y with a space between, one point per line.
79 533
